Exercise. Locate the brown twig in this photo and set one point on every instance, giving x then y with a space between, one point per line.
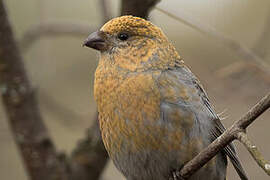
255 153
29 131
228 136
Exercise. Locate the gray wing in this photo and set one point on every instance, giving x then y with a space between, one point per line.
228 150
186 76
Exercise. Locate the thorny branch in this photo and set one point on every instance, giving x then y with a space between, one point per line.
228 136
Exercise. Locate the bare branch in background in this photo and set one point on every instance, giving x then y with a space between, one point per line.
260 49
237 47
227 137
106 10
89 157
241 67
53 29
49 29
28 129
140 8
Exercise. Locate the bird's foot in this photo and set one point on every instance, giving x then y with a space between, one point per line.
176 175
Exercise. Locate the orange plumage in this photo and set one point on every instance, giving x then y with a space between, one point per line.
154 115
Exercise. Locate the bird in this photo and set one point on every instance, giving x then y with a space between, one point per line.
154 114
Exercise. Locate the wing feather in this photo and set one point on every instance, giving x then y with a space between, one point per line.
185 76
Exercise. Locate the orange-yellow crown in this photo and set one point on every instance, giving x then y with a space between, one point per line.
133 25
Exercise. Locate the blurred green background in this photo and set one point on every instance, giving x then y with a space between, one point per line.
62 71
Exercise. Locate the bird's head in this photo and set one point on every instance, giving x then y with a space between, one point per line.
132 43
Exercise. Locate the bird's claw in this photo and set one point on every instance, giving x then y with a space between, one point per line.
176 176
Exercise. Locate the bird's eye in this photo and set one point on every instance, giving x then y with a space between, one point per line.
123 36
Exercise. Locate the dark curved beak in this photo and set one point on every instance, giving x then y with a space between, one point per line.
96 40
